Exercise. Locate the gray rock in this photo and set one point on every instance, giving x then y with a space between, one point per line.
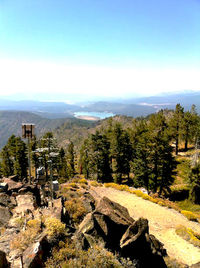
5 215
12 185
196 265
33 256
3 261
3 187
4 200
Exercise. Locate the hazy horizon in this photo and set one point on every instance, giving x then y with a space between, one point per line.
98 49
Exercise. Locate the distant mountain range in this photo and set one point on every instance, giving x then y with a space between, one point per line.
131 107
11 121
59 116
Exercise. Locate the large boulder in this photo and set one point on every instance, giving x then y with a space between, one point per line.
34 255
111 220
54 209
196 265
25 203
107 224
111 225
3 187
138 244
4 200
13 186
3 260
5 215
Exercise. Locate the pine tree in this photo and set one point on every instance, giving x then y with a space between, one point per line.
101 159
194 178
21 161
62 164
121 152
153 162
70 160
86 159
163 162
189 126
141 162
176 124
7 164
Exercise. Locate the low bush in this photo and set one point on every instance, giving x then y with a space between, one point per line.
73 185
188 234
154 198
190 215
35 224
75 209
173 263
83 181
19 221
120 187
69 256
54 227
95 183
24 238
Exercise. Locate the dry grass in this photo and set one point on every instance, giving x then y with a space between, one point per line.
190 215
188 234
67 255
75 209
54 227
154 199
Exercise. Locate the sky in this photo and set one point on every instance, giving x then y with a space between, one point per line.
101 48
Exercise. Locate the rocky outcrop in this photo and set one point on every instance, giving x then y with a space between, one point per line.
13 186
5 216
25 203
137 243
34 255
106 222
111 224
3 260
196 265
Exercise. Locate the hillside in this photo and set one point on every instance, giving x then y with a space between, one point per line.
10 123
78 130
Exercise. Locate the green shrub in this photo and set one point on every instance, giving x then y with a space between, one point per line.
73 185
35 224
75 209
54 227
190 215
70 256
23 239
83 181
188 234
95 184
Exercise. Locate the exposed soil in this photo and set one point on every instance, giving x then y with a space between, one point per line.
162 223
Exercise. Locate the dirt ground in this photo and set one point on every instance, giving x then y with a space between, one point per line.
162 223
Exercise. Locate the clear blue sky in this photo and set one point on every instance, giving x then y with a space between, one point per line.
128 37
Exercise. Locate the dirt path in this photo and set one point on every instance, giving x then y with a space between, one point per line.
162 223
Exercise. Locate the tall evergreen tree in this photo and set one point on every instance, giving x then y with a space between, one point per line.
7 164
176 125
153 162
70 160
86 160
21 161
121 152
141 162
194 178
62 164
101 158
189 126
163 162
14 157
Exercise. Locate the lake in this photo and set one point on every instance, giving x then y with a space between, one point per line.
99 115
